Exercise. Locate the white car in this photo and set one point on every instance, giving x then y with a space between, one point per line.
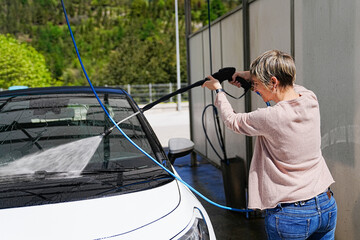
61 178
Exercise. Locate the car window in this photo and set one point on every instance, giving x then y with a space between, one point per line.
40 133
35 123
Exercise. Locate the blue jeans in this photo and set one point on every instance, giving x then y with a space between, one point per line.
311 219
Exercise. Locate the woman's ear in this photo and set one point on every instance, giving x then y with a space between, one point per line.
274 82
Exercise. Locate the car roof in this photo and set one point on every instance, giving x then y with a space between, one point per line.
63 89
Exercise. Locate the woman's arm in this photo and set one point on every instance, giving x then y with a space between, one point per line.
212 84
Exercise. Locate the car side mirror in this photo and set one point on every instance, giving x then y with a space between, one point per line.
179 147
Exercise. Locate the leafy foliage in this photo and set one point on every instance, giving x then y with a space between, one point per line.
21 64
120 41
217 8
147 53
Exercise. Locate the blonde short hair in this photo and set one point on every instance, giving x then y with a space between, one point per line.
274 63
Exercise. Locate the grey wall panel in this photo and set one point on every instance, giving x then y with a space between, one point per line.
197 94
232 55
216 65
327 56
329 34
269 29
298 42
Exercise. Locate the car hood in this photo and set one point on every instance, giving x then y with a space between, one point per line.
90 219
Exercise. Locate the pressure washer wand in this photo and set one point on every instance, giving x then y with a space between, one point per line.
166 97
108 131
222 75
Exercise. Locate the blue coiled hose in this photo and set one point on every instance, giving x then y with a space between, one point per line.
133 143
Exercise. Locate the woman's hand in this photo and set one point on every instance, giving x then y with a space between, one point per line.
244 74
212 83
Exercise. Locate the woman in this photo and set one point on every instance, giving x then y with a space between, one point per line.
288 175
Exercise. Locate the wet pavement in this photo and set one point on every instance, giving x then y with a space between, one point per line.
228 225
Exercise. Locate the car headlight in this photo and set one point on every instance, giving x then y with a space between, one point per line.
198 228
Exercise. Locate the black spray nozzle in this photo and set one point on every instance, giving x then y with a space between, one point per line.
227 73
224 74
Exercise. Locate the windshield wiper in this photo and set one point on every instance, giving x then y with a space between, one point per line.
100 171
47 192
147 181
139 169
39 195
128 177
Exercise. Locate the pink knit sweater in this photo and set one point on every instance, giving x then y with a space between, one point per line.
287 164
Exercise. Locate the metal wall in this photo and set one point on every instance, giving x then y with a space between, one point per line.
224 39
323 36
269 29
328 59
232 38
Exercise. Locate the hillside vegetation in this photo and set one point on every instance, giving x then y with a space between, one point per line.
120 41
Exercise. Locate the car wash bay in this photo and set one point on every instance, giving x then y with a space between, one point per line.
322 36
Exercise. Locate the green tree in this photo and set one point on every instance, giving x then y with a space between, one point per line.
49 40
147 52
21 64
217 9
140 62
103 29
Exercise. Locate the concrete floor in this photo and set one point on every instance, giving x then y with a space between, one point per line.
168 123
228 225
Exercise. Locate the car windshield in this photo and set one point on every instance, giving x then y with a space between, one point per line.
52 140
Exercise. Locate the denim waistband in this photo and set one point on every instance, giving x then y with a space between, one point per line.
322 197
